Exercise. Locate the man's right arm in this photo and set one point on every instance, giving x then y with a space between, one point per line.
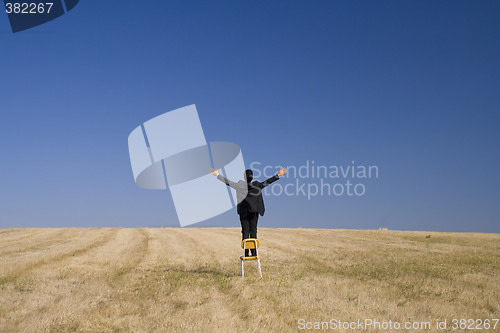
223 179
227 181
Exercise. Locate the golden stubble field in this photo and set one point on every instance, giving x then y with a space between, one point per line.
176 280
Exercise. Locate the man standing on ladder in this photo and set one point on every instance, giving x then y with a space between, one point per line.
250 201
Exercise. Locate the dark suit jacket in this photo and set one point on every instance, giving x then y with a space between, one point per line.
249 195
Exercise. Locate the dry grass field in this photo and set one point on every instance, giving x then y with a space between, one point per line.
176 280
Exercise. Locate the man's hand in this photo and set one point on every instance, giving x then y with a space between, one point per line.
281 172
214 172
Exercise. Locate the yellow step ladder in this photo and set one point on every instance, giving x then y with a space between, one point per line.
250 244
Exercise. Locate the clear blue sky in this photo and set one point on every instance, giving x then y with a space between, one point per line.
412 87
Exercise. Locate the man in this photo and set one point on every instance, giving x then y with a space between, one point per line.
250 201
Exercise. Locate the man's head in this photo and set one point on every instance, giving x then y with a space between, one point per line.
248 175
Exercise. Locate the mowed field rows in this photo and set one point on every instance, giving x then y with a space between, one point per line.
175 280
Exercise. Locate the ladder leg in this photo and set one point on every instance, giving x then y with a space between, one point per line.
260 272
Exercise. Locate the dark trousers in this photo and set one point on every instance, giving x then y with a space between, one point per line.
249 227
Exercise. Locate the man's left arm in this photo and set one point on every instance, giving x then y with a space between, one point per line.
273 178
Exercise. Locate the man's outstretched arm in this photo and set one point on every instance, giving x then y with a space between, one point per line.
273 178
223 179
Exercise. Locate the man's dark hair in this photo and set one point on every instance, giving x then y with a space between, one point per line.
248 175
